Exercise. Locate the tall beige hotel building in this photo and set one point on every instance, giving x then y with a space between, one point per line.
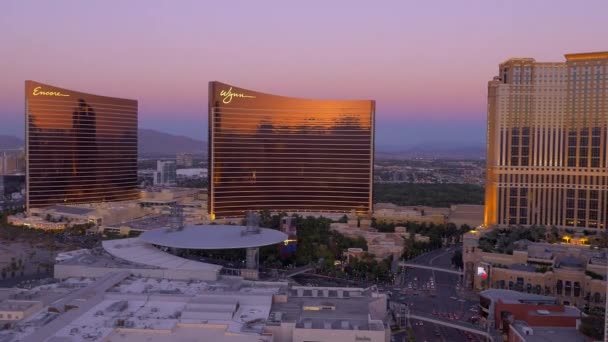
547 157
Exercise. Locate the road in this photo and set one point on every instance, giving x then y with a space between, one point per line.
445 300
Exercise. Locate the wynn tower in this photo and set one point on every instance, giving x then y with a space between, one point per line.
276 153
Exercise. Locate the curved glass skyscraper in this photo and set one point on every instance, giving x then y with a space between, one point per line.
81 148
288 154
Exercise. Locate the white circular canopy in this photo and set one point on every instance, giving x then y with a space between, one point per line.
212 237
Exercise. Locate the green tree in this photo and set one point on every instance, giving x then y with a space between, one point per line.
592 326
435 195
457 259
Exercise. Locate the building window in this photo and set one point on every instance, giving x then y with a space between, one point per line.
568 291
597 297
520 284
558 287
577 289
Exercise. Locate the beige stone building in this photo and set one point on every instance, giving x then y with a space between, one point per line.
381 245
389 212
565 271
547 152
16 310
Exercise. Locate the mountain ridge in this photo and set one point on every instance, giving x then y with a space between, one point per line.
156 143
150 143
153 142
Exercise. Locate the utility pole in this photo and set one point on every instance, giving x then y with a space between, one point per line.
406 311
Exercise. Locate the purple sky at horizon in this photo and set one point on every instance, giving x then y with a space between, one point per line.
426 63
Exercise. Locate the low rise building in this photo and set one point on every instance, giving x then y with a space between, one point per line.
193 202
522 332
328 314
574 274
35 222
354 253
165 174
59 217
493 302
469 214
193 173
381 245
389 212
184 159
122 307
15 310
12 162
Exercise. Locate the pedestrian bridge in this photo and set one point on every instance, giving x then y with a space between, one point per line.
438 269
299 270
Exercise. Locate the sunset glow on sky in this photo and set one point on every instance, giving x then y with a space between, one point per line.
426 63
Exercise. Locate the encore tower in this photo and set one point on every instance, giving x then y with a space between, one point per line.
276 153
547 143
81 148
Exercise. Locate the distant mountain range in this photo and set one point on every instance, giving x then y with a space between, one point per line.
151 143
154 143
9 142
434 150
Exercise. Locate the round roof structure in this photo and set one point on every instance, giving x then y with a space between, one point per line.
213 237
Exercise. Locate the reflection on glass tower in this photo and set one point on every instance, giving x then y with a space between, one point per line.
286 154
81 148
85 144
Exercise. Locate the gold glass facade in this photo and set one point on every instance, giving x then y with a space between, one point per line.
547 157
286 154
81 148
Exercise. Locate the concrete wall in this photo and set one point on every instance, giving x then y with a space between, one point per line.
282 332
304 335
19 314
521 312
63 271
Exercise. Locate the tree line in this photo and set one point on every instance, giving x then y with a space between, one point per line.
433 195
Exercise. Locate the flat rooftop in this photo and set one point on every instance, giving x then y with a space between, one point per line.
212 237
187 334
549 334
17 305
145 223
523 267
569 311
167 310
514 296
328 313
64 209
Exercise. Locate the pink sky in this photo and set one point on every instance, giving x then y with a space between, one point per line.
426 63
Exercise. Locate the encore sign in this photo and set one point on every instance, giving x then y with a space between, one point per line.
37 91
227 95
